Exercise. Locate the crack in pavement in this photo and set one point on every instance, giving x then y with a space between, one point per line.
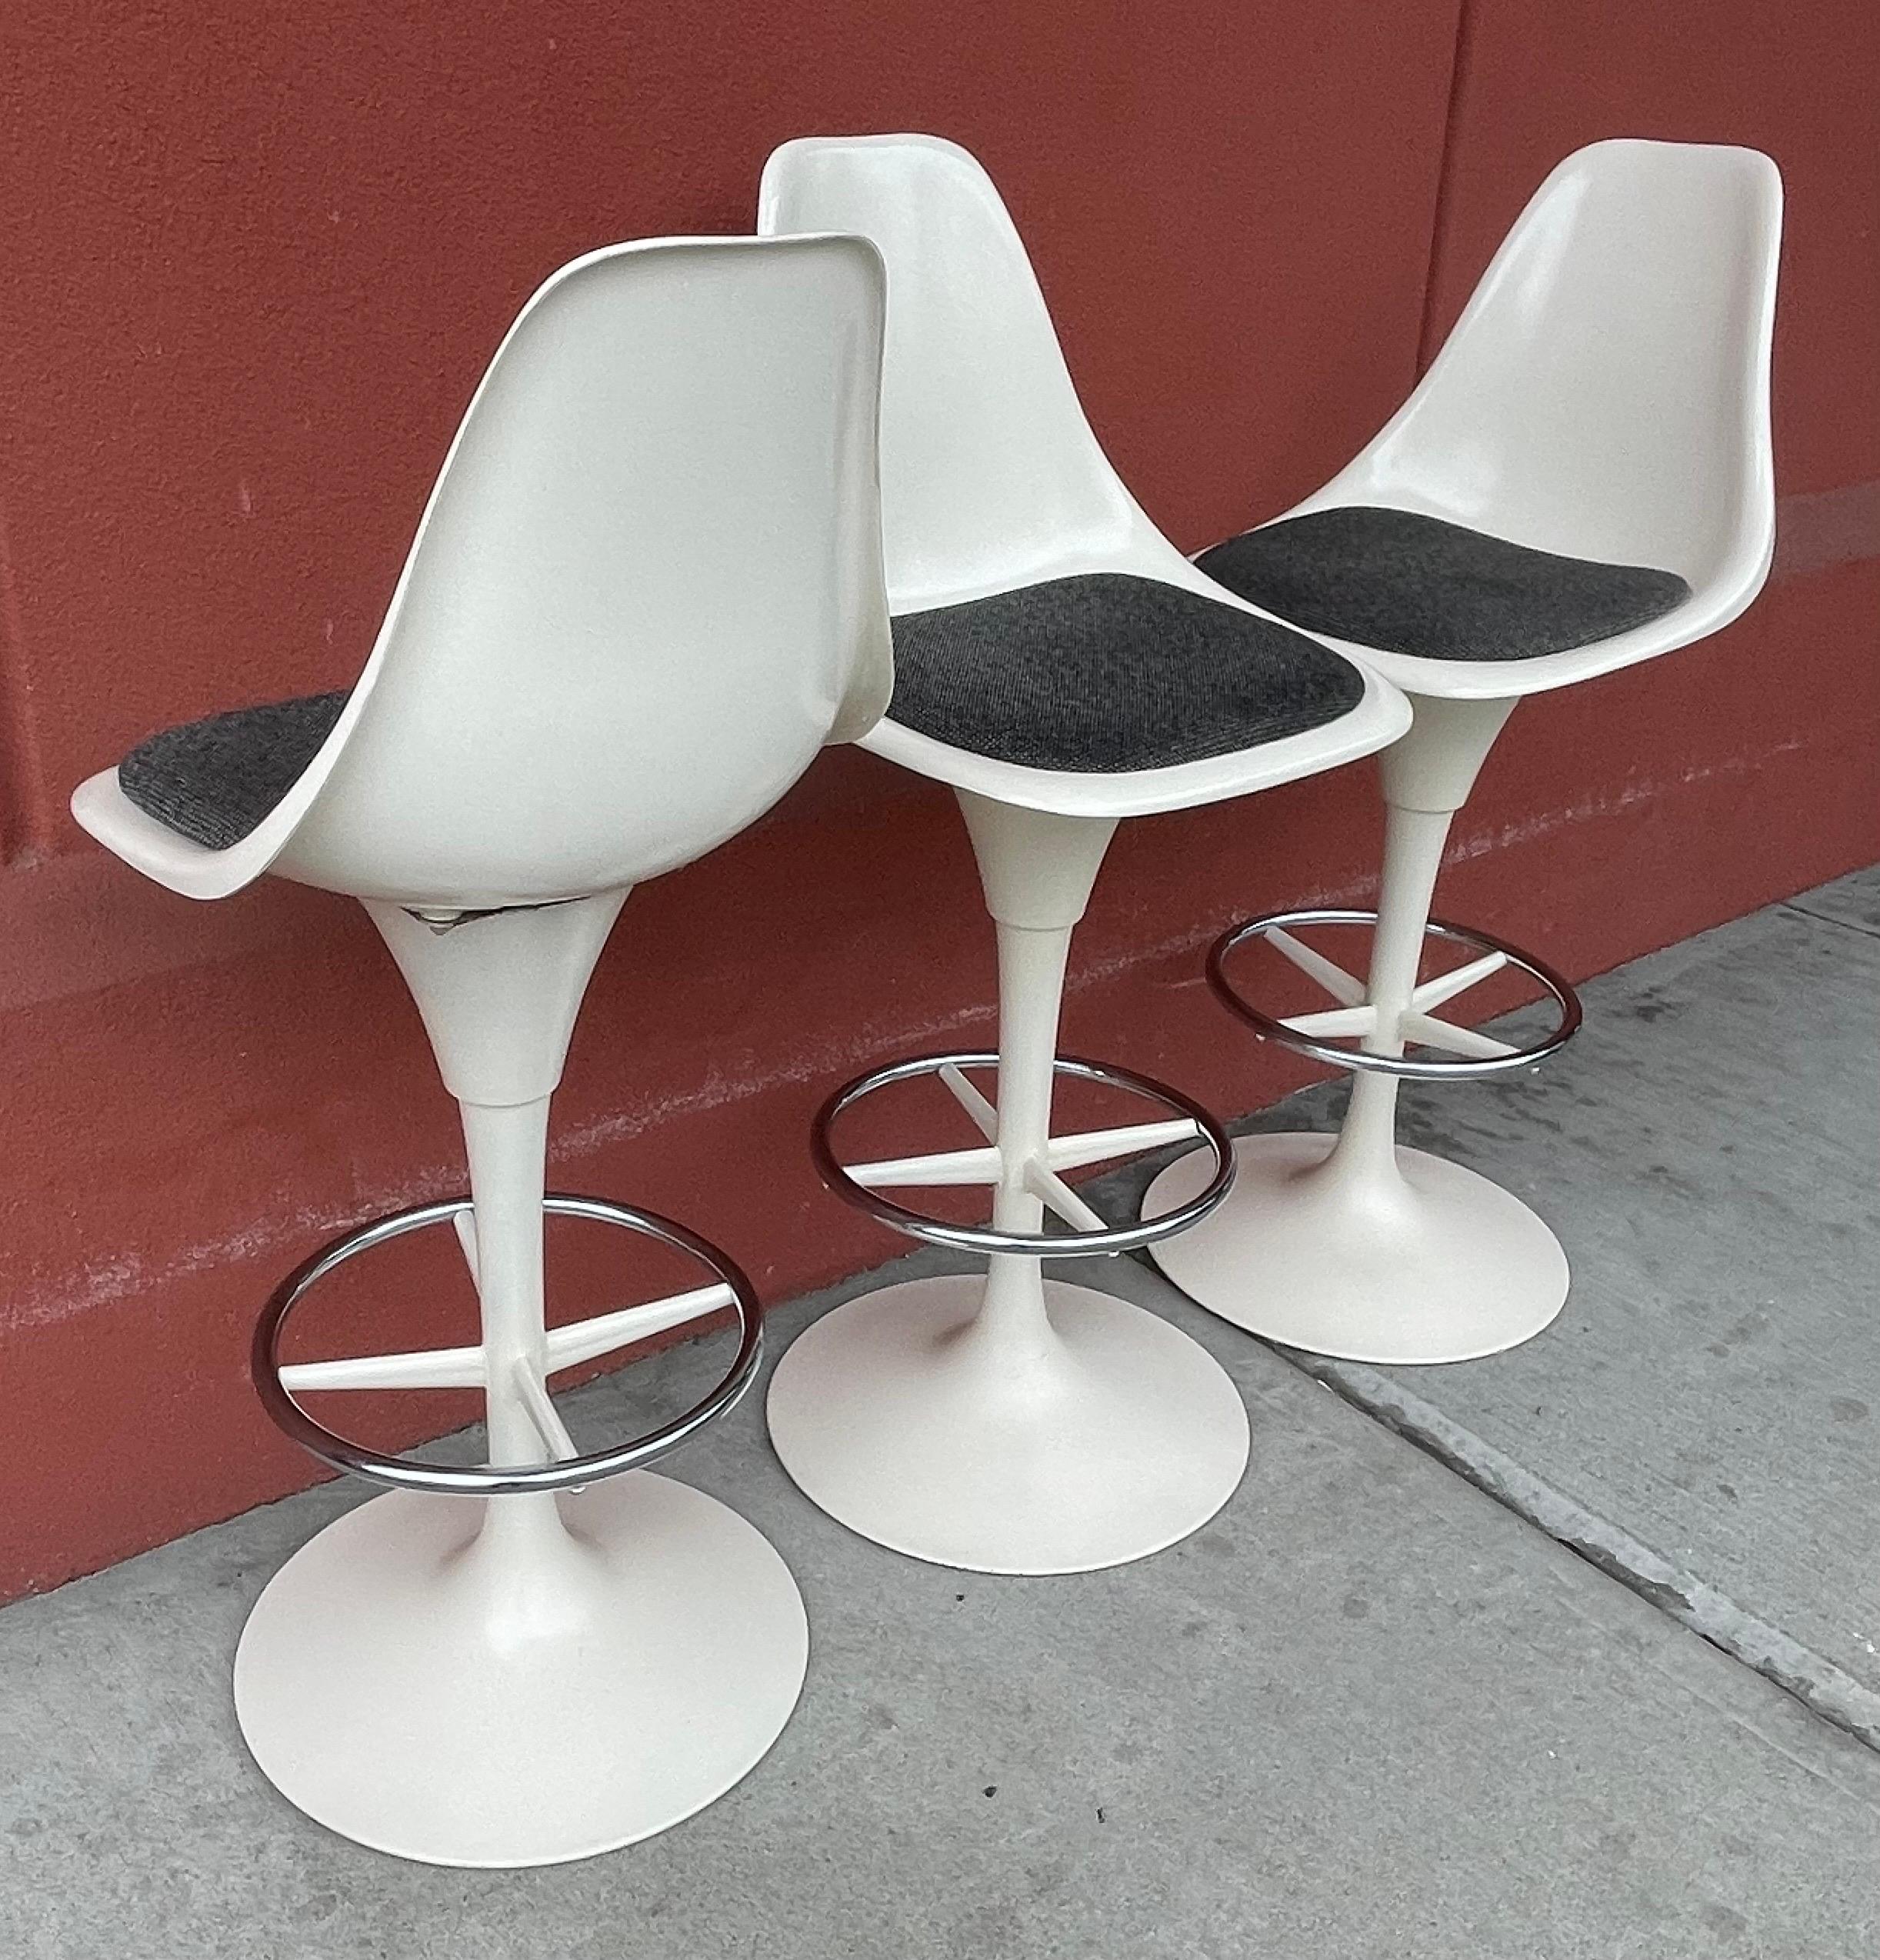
1823 1688
1824 919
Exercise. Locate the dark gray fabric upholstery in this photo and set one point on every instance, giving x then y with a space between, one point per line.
1108 672
1411 583
215 780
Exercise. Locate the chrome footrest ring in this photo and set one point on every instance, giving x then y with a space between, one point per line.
1361 1060
1068 1245
409 1473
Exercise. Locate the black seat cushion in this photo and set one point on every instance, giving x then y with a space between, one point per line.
214 780
1106 671
1411 583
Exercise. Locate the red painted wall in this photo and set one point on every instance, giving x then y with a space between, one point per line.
252 258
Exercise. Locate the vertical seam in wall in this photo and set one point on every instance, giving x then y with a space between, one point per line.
1439 214
25 821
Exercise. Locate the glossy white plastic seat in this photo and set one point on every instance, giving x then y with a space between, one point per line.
1605 398
1015 1425
645 591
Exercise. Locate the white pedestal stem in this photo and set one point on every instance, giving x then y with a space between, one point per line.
523 1679
1037 870
1426 778
1354 1245
1012 1425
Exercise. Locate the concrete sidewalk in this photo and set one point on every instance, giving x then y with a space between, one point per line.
1371 1710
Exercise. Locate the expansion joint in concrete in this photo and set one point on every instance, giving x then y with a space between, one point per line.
1823 1688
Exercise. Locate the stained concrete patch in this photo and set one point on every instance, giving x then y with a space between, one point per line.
1366 1711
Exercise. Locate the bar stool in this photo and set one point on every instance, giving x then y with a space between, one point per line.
1061 666
645 591
1582 480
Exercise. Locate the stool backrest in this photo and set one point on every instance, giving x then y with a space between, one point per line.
646 589
991 475
1606 393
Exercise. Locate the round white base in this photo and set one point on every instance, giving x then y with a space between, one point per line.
1437 1265
1108 1438
529 1696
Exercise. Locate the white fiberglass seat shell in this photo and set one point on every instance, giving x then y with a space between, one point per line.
1603 399
645 591
1604 396
610 648
992 478
1013 1425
